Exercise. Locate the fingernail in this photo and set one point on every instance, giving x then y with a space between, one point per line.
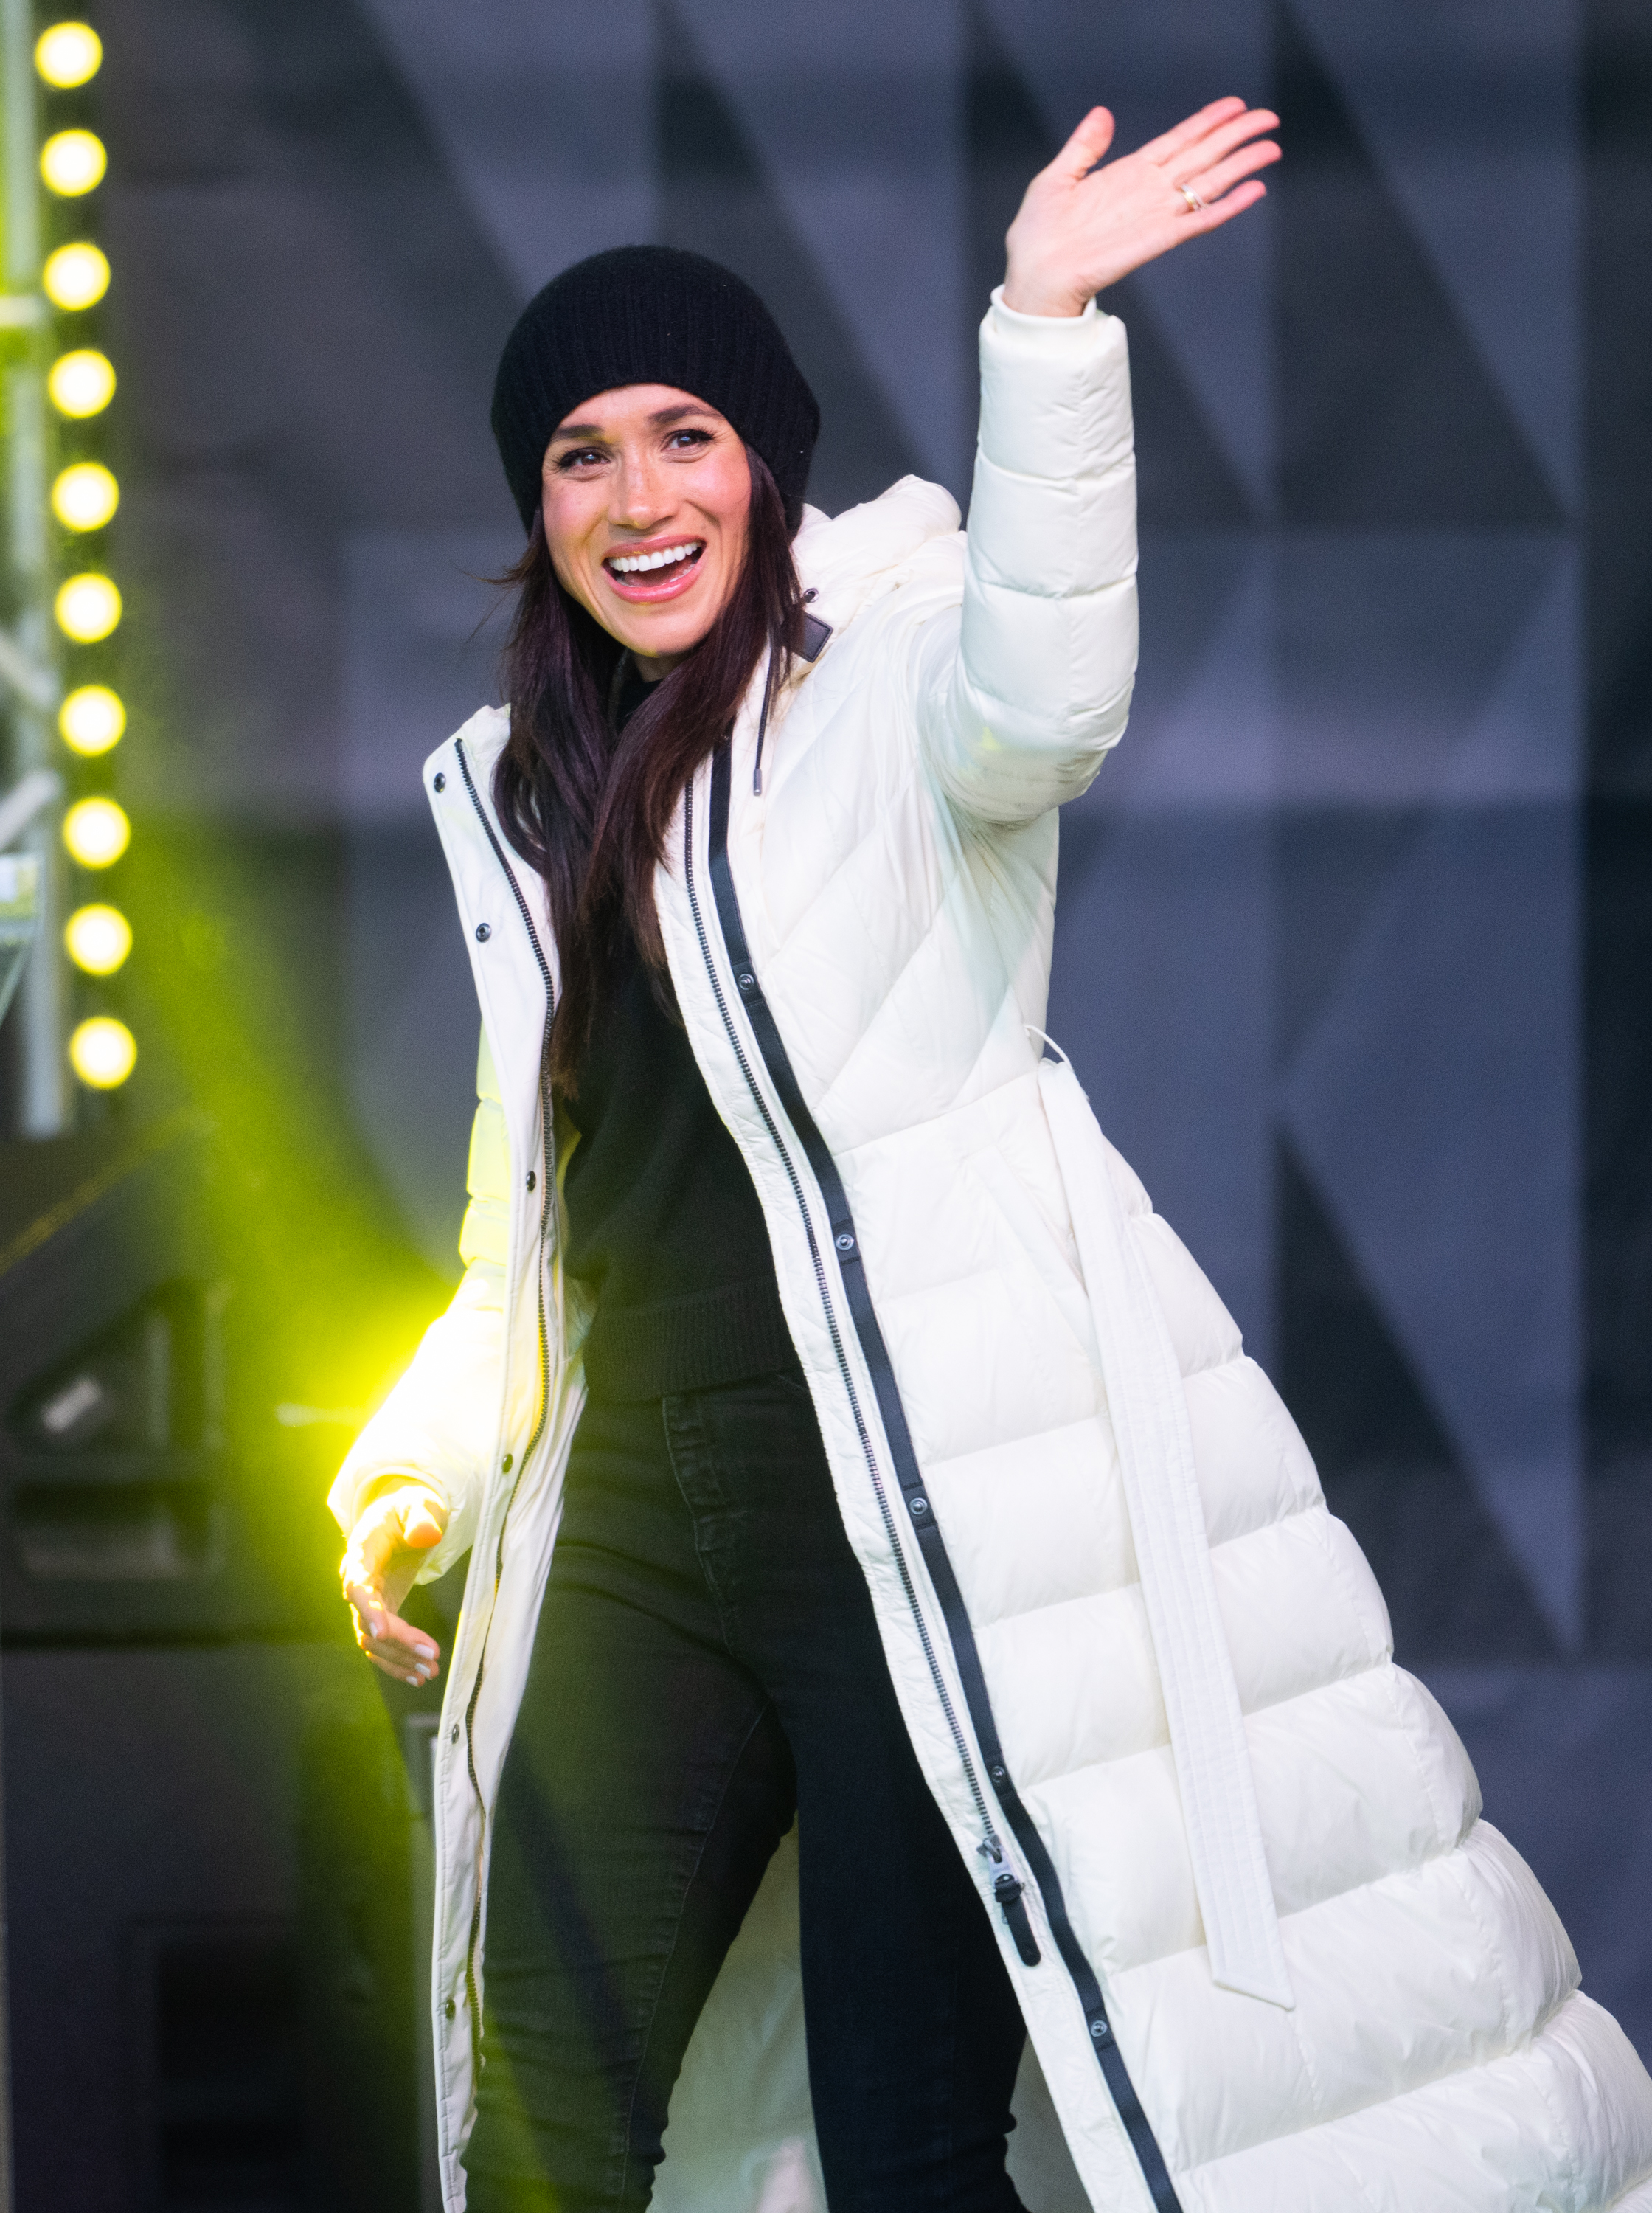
376 1626
416 1680
425 1651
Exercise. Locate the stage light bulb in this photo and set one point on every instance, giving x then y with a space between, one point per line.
89 607
103 1052
73 162
96 832
81 383
75 276
99 938
92 719
68 54
85 497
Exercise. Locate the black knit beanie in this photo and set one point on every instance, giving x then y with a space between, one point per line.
651 315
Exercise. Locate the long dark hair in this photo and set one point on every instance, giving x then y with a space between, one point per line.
590 813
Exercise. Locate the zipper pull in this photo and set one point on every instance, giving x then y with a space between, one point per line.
1009 1892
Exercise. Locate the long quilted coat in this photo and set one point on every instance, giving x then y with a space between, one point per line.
1269 1954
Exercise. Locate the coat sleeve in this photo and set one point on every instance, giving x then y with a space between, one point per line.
440 1421
1023 689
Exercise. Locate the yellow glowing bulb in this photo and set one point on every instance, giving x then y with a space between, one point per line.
75 276
68 54
89 607
92 719
99 938
73 161
96 832
85 497
103 1052
81 383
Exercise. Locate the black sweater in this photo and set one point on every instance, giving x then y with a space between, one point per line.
663 1224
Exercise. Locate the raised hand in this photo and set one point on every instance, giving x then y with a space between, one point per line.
387 1548
1080 228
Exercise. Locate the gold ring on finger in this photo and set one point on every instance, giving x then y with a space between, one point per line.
1194 203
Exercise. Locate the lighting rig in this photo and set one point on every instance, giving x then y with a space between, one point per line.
63 605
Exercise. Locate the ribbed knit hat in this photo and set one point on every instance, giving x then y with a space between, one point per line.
651 315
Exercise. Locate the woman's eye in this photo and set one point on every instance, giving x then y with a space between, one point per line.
578 457
688 438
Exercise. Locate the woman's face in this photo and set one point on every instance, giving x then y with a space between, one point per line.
633 475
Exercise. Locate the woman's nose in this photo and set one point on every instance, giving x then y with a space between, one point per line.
638 496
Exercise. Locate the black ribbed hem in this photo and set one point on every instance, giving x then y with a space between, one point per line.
693 1344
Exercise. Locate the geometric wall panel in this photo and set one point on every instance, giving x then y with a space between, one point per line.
1476 134
1158 994
553 173
1435 1103
1391 1471
1387 414
1390 645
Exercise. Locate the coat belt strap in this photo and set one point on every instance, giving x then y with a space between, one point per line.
1148 1407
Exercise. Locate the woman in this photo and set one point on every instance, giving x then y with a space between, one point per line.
837 1430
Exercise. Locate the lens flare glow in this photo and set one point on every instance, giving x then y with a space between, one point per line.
85 497
96 832
98 939
81 383
72 163
88 609
68 54
92 719
103 1052
75 276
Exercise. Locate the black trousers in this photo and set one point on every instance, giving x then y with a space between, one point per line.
707 1663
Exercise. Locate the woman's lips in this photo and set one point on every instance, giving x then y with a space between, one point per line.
650 586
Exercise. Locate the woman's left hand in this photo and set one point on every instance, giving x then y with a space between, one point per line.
1080 228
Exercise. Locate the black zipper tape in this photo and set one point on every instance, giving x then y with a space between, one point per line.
960 1629
547 1185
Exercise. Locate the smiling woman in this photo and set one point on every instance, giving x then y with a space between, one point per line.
645 506
836 1432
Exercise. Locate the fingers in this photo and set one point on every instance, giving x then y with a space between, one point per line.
394 1646
1224 209
422 1526
1203 154
1087 145
1177 141
1212 185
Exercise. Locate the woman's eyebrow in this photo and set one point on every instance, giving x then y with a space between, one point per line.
658 421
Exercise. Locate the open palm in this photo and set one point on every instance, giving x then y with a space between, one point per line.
1082 227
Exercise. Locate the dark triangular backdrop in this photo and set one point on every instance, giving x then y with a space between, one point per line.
1388 417
1388 1468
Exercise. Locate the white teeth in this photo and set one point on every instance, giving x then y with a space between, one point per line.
628 564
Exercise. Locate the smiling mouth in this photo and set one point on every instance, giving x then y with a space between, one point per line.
633 568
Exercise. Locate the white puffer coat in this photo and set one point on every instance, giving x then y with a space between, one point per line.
1269 1955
